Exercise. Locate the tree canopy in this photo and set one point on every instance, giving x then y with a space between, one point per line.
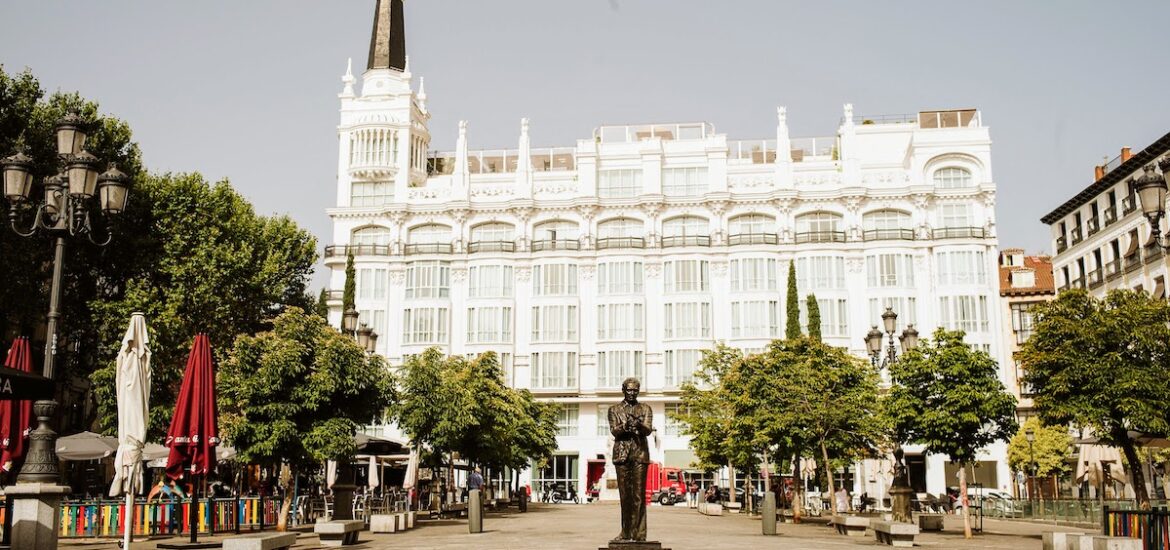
1049 451
792 305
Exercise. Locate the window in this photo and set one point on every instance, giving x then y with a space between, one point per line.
567 420
687 320
834 316
963 267
1024 278
555 230
371 236
554 280
430 234
684 182
603 421
373 318
489 325
750 274
613 184
556 323
955 215
687 276
371 284
752 224
428 279
886 220
1022 321
755 319
890 270
489 281
674 426
818 222
424 325
906 308
685 226
681 365
619 278
952 177
493 232
554 370
619 322
966 313
618 228
820 273
613 367
371 193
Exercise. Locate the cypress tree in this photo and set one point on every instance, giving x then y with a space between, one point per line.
814 318
792 305
322 307
350 293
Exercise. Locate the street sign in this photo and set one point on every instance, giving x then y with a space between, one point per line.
18 385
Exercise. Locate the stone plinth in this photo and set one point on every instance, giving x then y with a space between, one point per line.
1058 540
854 526
1116 543
930 522
894 533
647 545
35 514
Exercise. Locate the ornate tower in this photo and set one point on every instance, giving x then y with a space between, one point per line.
383 137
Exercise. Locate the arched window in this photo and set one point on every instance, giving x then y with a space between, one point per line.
431 238
555 235
372 235
620 233
686 231
887 224
952 177
752 229
819 227
492 237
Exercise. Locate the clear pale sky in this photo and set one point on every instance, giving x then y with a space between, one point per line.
248 90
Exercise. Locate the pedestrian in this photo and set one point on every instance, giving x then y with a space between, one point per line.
475 480
842 500
693 496
712 495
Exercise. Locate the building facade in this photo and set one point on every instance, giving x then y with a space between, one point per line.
1024 282
633 249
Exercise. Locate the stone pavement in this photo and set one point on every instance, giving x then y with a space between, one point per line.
589 526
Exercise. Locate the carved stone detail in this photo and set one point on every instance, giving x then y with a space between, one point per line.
653 270
586 271
719 269
458 274
522 273
855 265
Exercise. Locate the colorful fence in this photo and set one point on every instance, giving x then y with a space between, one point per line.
1151 526
105 518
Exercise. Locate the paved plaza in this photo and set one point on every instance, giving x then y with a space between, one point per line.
589 526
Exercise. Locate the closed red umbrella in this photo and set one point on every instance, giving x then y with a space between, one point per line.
15 416
194 431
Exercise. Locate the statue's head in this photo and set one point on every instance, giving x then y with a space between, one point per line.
630 388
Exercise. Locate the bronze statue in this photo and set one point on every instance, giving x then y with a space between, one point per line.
630 422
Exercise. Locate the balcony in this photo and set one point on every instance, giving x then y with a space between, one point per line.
1096 278
959 233
1133 262
556 244
620 242
1076 234
1110 215
1113 269
1094 225
696 240
887 235
491 246
339 250
1061 244
820 237
334 294
428 248
1152 252
1079 282
753 238
1128 205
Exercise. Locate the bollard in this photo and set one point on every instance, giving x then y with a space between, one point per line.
475 511
769 513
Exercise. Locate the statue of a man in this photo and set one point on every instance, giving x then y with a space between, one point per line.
630 422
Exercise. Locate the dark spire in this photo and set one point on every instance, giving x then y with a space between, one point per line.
388 41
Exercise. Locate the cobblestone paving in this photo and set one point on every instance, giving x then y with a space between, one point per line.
590 526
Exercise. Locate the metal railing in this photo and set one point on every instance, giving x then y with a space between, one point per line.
1151 252
687 240
1093 224
1079 282
106 518
1061 244
336 250
556 244
1077 235
866 120
1128 204
1096 278
959 232
753 238
1113 269
428 248
1110 215
491 246
888 235
820 237
1133 262
1064 510
620 242
1152 527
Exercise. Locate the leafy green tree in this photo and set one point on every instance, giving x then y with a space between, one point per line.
322 306
814 317
1101 364
349 291
948 398
792 305
296 395
1048 453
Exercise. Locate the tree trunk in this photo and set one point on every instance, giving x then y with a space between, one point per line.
1136 476
731 483
797 487
964 501
289 496
829 475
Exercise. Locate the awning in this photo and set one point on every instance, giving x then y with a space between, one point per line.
1090 461
1132 248
1160 290
1152 239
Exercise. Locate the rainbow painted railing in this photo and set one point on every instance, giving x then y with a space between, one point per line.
1151 526
105 518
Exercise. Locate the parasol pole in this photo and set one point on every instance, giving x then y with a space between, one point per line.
129 520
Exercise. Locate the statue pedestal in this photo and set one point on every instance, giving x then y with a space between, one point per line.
35 514
646 545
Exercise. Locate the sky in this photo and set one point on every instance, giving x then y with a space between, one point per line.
248 90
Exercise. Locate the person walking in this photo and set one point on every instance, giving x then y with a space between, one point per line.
693 495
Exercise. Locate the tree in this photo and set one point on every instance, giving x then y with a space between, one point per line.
349 291
948 398
814 317
792 305
1101 364
1047 454
296 395
322 306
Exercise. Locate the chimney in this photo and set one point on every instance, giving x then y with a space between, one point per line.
1098 172
1125 154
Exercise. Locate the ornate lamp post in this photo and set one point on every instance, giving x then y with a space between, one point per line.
900 490
1030 436
344 487
75 203
1151 194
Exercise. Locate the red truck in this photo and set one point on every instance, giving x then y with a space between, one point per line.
665 485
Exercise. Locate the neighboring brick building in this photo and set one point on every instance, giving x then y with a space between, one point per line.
1024 281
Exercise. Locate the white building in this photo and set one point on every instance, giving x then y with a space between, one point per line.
629 251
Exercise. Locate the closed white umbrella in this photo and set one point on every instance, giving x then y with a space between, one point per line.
133 393
372 475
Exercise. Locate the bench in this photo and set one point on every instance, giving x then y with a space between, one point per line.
339 532
1099 542
733 506
853 526
1058 540
894 533
387 523
710 508
930 522
260 541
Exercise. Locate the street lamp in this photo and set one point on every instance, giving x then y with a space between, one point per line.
900 490
66 208
349 321
1151 194
1030 435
